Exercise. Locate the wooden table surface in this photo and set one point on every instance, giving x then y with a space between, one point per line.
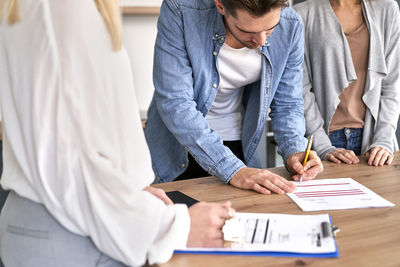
367 237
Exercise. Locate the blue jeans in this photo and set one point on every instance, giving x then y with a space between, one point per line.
347 138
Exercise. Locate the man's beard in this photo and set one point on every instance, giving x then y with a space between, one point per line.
248 44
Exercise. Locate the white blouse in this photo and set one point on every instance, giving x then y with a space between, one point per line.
72 136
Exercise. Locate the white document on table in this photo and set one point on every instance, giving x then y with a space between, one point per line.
335 194
284 234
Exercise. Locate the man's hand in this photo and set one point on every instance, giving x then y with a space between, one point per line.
378 156
206 222
160 194
309 170
343 155
262 181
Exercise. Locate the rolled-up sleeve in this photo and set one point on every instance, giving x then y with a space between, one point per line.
287 112
174 94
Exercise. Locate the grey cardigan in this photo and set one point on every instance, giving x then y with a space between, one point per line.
328 69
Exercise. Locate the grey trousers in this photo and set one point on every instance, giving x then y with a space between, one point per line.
30 236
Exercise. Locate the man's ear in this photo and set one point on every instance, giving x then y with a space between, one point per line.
220 7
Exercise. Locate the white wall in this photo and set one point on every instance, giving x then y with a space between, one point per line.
139 37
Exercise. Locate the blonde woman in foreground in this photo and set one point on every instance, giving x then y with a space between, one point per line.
75 158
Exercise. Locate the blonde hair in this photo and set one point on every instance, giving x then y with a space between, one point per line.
109 10
12 11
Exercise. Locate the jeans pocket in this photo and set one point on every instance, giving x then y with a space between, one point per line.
22 231
338 139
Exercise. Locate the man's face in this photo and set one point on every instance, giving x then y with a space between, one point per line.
250 31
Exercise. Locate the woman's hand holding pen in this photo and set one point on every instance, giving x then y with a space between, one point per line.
310 169
206 222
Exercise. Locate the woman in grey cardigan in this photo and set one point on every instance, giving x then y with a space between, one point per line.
351 83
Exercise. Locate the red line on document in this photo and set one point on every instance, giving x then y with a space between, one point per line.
332 195
330 191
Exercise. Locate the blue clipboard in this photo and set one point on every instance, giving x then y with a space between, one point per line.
334 254
263 253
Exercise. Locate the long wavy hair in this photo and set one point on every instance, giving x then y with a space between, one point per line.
109 10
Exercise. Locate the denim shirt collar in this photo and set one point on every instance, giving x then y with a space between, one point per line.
219 28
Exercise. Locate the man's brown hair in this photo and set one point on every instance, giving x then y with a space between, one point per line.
256 8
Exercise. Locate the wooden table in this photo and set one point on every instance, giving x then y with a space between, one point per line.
368 237
140 10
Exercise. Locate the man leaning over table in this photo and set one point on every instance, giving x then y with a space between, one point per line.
218 67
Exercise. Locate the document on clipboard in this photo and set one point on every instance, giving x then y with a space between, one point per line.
269 234
335 194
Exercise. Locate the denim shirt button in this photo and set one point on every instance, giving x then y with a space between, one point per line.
214 85
183 165
215 53
216 35
222 38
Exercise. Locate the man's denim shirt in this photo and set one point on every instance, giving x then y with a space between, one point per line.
186 79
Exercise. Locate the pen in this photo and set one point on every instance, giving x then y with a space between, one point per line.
308 148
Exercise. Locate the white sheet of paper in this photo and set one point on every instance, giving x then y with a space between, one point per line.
280 233
335 194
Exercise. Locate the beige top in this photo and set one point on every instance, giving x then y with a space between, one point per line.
350 112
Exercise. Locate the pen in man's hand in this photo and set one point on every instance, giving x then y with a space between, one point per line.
307 152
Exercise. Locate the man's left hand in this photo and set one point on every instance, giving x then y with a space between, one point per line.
309 170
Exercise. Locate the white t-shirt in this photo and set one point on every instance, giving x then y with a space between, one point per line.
72 136
237 68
